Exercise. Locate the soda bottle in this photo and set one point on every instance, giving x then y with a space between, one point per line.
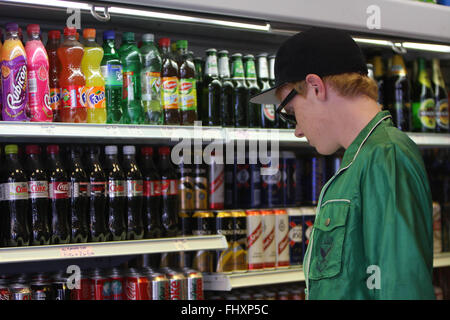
14 76
54 37
95 84
97 197
59 193
278 123
135 192
226 94
188 89
170 194
71 79
79 197
38 86
115 195
111 68
151 81
169 85
152 195
211 90
240 95
198 63
267 110
254 110
38 197
14 188
131 64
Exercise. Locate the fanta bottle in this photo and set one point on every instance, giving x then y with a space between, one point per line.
53 42
95 84
71 79
38 86
14 76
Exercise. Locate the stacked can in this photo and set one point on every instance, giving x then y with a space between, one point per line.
159 284
269 246
137 286
255 240
203 224
295 236
223 261
239 241
281 238
308 218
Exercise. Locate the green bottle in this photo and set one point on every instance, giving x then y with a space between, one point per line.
151 81
111 69
226 94
423 106
254 110
199 64
267 110
240 94
211 90
131 64
440 97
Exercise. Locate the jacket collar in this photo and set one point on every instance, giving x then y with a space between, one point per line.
352 151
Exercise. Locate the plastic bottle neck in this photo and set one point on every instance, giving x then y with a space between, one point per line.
12 156
35 36
12 35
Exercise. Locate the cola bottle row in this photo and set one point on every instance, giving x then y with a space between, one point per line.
76 195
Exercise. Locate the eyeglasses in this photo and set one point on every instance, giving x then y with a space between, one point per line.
289 118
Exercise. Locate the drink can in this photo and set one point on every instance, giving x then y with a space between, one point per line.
247 184
298 180
269 247
308 217
101 286
41 288
283 295
288 172
203 224
185 222
177 284
297 294
5 292
82 290
137 286
239 241
19 289
60 288
159 286
194 284
117 284
224 258
272 188
295 236
216 184
255 240
317 179
282 238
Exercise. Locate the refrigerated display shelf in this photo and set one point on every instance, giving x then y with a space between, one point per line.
441 260
112 248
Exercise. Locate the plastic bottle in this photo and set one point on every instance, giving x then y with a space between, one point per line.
71 79
151 81
135 192
14 188
38 85
169 85
111 68
14 76
115 195
188 88
95 84
53 42
38 197
131 64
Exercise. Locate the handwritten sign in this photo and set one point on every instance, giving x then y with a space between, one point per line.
77 251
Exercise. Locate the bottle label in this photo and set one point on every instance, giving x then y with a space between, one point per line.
15 89
59 190
424 114
96 97
188 94
263 68
250 73
224 71
169 92
79 189
39 94
201 193
55 98
129 85
116 188
169 187
187 193
112 73
152 188
73 97
15 191
135 188
269 112
37 189
442 114
211 65
151 85
97 188
238 70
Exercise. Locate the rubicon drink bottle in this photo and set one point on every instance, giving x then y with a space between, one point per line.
169 85
14 188
95 84
38 197
38 70
59 192
115 195
71 79
135 191
53 42
14 76
79 197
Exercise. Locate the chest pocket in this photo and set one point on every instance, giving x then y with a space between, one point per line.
328 242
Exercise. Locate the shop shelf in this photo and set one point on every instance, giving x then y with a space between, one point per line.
441 260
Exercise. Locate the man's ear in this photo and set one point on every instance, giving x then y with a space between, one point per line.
317 86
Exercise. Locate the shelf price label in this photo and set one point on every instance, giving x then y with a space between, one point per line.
181 244
77 251
113 131
48 129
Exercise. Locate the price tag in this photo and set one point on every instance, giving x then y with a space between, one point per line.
113 131
78 251
49 130
181 245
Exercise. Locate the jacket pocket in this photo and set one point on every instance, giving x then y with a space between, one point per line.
328 242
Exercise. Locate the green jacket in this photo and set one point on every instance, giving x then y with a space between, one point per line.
372 237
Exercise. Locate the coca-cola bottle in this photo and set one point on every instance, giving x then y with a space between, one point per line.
97 197
59 193
170 199
38 197
79 197
115 195
135 192
151 214
16 229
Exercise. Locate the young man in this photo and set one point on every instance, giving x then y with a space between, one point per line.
372 238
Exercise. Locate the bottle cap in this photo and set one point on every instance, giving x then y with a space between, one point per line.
147 151
54 34
128 36
148 37
223 52
53 148
110 150
33 28
182 44
262 55
88 33
164 151
11 148
129 150
210 50
32 149
164 42
249 56
109 35
12 27
70 31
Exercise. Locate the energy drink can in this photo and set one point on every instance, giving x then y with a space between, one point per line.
295 236
203 224
239 241
223 261
308 217
255 240
269 247
281 238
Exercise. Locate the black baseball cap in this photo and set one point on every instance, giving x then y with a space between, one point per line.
321 51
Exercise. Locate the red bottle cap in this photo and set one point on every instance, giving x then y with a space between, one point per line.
147 151
54 34
53 149
88 33
33 28
164 151
164 42
70 31
32 149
